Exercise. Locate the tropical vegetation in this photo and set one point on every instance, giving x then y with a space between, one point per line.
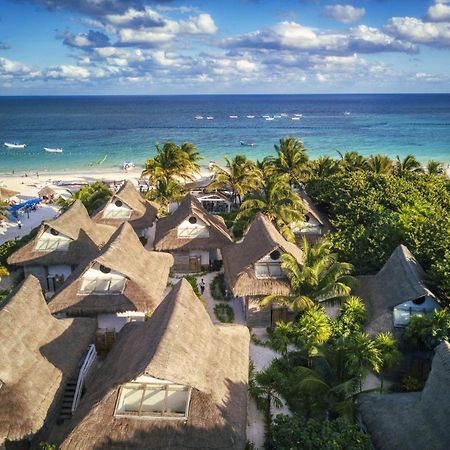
92 196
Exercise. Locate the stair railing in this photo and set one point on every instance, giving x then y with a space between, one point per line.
91 356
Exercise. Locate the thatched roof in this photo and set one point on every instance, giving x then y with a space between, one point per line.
166 228
401 279
261 239
76 224
46 191
413 421
313 211
146 273
38 353
179 344
6 193
144 211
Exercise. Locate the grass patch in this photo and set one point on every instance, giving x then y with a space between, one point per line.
217 288
224 313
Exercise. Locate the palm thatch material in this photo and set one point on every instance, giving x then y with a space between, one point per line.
166 238
144 211
261 239
87 237
6 194
401 279
146 273
314 212
38 353
413 421
46 191
179 344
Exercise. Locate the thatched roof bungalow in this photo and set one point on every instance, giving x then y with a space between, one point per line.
121 279
194 236
252 268
174 382
413 420
38 354
127 205
47 193
59 246
396 293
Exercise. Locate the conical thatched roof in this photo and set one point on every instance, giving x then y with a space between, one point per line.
261 239
144 211
46 191
179 344
166 228
6 193
38 353
413 421
146 274
76 224
401 279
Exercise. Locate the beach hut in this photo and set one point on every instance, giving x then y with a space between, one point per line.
193 236
413 420
47 194
253 270
119 284
60 245
396 293
316 223
127 205
174 382
39 356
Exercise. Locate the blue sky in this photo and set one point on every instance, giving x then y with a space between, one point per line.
232 46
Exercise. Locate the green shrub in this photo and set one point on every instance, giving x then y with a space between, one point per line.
215 265
217 287
224 313
9 247
412 384
47 446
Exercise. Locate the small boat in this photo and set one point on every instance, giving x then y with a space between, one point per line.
14 145
265 115
346 113
233 117
283 114
269 118
298 115
53 150
250 117
210 118
295 118
248 144
198 117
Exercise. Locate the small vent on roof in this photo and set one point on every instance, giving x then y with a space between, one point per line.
192 219
104 269
54 232
118 203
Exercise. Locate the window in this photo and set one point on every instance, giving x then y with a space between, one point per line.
151 400
104 285
275 255
48 243
54 232
192 219
118 203
117 210
268 269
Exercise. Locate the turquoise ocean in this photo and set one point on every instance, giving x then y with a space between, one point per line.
102 132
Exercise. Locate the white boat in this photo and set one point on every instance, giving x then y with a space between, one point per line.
199 117
210 118
265 115
14 145
233 117
53 150
283 114
269 118
298 115
346 113
248 144
277 116
295 118
250 117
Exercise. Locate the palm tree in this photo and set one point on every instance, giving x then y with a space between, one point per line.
277 201
380 164
291 159
172 161
240 176
353 316
390 355
323 167
321 278
409 164
165 192
352 161
281 336
435 168
92 196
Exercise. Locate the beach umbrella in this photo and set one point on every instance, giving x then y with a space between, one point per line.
6 194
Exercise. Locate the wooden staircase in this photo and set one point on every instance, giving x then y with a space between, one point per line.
65 411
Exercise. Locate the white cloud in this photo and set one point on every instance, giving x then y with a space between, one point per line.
416 30
344 13
439 12
10 69
68 72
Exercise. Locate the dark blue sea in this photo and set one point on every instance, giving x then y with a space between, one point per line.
103 132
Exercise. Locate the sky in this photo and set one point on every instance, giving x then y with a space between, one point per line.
124 47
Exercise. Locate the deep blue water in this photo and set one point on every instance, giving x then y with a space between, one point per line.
123 128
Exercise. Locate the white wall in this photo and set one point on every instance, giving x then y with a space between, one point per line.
193 230
119 320
60 269
120 212
150 234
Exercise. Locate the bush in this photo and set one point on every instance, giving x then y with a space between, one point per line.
296 432
224 313
47 446
215 266
9 247
412 384
217 287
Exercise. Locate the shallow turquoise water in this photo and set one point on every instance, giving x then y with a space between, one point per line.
126 128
